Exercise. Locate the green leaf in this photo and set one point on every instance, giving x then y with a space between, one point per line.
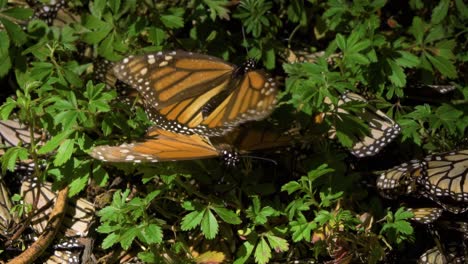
11 157
443 65
245 251
262 252
18 13
110 240
175 19
54 142
301 229
417 29
277 243
209 225
98 29
407 59
15 33
128 236
397 75
440 11
97 8
461 8
218 9
291 187
156 36
192 220
152 233
78 184
228 216
340 41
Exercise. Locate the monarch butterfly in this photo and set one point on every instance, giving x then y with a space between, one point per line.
162 145
426 215
300 56
455 255
13 133
442 89
400 179
190 93
5 207
382 128
76 223
444 178
103 73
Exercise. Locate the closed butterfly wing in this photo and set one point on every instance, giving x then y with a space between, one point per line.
162 145
400 179
426 215
5 206
445 180
382 129
194 93
158 145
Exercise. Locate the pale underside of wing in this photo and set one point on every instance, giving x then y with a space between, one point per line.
159 145
382 129
446 175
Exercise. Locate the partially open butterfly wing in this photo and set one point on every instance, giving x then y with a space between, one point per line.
166 78
382 128
247 139
194 93
159 145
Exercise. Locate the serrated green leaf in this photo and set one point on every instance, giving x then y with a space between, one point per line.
78 184
462 8
340 42
172 21
443 65
15 33
397 75
18 13
417 29
192 220
128 236
110 240
291 187
440 12
228 216
244 252
54 142
278 244
262 252
209 225
153 234
407 59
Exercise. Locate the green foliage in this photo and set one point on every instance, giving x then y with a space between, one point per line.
397 228
257 212
124 221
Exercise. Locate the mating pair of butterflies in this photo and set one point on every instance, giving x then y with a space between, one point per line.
198 103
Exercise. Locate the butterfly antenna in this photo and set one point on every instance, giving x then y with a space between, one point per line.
245 43
260 158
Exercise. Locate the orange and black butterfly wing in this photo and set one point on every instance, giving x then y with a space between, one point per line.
165 78
194 93
158 145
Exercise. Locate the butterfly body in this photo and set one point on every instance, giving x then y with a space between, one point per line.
191 93
161 145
